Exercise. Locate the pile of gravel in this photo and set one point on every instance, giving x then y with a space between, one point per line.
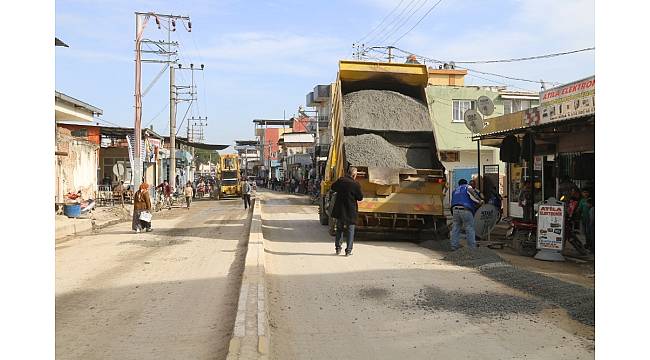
579 301
471 257
372 150
476 304
384 110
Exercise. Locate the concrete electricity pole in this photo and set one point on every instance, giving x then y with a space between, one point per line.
141 20
172 126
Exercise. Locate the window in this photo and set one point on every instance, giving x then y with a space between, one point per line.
507 106
514 105
459 108
79 133
450 156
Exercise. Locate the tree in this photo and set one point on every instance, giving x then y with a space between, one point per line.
202 156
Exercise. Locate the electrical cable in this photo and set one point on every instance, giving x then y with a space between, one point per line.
382 21
403 21
178 128
480 72
381 33
546 56
417 23
158 114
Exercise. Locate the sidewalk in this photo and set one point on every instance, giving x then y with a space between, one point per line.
100 217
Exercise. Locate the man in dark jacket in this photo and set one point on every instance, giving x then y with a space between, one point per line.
348 192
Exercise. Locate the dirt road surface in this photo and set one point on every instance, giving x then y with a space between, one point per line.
168 294
396 300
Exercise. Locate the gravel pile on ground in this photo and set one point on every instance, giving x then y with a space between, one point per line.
578 300
470 257
384 110
476 304
436 245
374 151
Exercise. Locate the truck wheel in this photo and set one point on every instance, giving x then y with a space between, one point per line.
322 216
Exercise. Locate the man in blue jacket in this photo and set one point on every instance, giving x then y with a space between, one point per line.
464 202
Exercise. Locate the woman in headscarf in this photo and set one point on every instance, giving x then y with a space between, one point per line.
141 203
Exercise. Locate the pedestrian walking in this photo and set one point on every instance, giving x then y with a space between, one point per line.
348 192
246 193
189 194
464 202
141 209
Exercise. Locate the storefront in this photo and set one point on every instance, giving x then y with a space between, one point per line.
549 146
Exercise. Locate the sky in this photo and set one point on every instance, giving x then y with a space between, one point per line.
262 57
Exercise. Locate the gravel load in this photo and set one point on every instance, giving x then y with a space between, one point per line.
374 151
579 301
476 304
384 110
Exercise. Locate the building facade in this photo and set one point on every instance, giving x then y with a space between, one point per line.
448 99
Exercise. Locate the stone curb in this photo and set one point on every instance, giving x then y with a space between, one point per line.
250 338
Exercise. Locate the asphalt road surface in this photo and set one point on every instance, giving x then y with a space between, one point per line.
396 300
168 294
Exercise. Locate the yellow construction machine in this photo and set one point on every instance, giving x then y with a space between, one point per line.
229 183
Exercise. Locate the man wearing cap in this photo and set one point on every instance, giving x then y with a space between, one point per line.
464 202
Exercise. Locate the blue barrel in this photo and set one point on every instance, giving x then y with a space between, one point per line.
72 210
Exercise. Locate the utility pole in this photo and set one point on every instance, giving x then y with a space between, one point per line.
172 126
390 54
141 20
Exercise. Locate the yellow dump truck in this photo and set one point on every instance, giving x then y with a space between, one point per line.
229 183
402 198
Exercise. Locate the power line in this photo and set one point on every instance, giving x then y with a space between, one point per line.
186 111
382 21
390 25
477 71
546 56
417 23
404 21
158 114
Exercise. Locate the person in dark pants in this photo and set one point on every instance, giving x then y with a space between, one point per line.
348 192
246 193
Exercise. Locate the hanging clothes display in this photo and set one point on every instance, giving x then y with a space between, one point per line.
510 149
528 147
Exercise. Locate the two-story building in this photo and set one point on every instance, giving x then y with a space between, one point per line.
448 99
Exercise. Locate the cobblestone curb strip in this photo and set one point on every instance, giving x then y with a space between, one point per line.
251 334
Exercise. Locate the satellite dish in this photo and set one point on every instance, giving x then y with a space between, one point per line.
485 220
485 105
118 169
473 121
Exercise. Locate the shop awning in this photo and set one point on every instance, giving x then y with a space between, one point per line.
196 145
184 156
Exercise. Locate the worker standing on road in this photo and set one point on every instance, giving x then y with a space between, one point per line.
189 194
464 202
246 193
348 192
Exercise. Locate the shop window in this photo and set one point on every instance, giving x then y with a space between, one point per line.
459 108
